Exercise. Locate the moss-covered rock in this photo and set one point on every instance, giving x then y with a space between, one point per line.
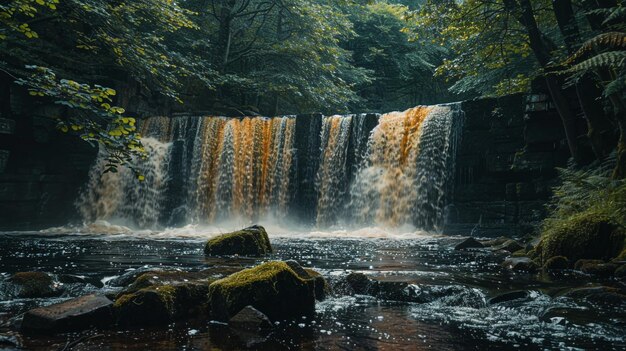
34 285
160 305
272 288
175 277
556 263
585 236
252 241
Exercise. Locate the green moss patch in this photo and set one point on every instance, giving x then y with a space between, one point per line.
160 305
272 288
252 241
584 236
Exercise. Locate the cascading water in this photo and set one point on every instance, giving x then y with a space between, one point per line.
120 196
332 176
390 170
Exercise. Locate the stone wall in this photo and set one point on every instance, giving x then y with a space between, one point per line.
41 169
505 166
504 171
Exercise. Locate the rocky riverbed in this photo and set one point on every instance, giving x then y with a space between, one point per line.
381 294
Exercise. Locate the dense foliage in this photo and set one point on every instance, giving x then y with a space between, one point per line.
271 57
576 48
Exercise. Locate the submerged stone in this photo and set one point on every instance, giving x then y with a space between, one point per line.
556 263
35 285
469 243
251 319
74 315
272 288
251 241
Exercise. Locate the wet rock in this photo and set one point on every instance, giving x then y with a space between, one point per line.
510 246
469 243
130 276
520 264
250 319
359 283
509 296
395 291
35 284
272 288
162 304
495 242
599 294
74 315
322 289
556 263
599 269
173 277
252 241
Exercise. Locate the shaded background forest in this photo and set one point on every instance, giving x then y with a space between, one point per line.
274 57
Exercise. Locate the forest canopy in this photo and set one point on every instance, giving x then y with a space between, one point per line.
243 57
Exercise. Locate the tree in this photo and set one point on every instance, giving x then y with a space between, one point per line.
89 43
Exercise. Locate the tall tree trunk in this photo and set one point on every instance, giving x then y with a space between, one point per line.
542 53
587 91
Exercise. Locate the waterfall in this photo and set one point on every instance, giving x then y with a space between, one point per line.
390 170
120 195
332 177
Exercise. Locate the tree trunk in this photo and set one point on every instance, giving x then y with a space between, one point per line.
587 90
542 53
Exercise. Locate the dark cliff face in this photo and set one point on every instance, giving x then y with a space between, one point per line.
503 174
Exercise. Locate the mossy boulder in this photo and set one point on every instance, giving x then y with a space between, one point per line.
585 236
35 285
252 241
176 277
556 263
162 304
273 288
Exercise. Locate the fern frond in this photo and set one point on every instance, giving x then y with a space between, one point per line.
610 40
617 13
611 59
